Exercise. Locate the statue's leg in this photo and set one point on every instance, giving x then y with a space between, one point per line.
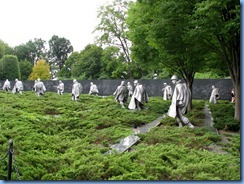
122 104
179 122
138 104
183 118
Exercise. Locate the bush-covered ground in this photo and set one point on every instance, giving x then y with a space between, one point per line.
59 139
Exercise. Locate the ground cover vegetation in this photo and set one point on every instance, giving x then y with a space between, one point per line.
223 113
59 139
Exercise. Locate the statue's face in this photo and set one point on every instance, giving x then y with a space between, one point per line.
173 81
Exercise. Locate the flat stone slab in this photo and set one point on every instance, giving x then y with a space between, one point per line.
129 141
125 143
146 128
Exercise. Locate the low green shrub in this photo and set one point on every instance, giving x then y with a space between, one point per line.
223 115
56 138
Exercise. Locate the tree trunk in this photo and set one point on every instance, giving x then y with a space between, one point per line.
189 82
237 101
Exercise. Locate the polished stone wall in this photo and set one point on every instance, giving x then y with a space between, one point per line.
201 87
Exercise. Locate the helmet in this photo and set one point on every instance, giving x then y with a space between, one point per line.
136 81
174 77
74 81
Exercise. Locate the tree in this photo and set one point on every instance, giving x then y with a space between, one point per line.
113 27
218 22
40 70
9 67
68 65
89 64
161 32
31 51
59 50
111 64
2 49
145 56
25 69
5 49
188 32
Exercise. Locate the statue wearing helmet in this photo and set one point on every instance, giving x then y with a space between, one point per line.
18 87
180 101
174 77
39 87
60 88
139 97
121 94
167 92
76 90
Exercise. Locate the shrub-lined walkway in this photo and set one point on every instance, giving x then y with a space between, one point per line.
129 141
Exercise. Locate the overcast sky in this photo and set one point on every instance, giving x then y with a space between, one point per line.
24 20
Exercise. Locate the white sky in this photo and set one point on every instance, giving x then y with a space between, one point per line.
24 20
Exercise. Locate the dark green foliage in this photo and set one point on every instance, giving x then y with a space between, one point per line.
31 51
59 139
168 121
9 66
192 138
59 49
233 146
223 114
197 115
25 69
87 64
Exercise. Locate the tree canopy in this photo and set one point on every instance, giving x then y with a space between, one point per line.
59 50
31 51
40 70
113 27
9 68
186 36
218 22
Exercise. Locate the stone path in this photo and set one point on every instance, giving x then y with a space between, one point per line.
208 122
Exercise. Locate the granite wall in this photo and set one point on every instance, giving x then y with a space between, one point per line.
201 87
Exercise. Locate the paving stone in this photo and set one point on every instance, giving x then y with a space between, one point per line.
129 141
